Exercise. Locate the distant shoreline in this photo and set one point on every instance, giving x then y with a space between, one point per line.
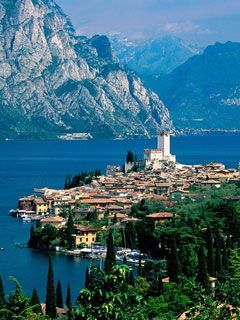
185 132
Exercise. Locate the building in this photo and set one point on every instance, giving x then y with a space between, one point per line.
85 235
57 222
26 203
154 158
160 217
112 170
40 206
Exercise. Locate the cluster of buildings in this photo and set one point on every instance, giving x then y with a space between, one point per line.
113 195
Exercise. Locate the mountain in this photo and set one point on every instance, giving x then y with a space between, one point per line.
156 56
53 82
204 92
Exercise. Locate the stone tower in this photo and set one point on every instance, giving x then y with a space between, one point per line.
163 143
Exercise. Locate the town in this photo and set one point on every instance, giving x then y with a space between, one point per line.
112 196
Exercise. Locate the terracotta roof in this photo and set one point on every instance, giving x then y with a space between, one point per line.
96 201
86 228
118 216
39 201
160 215
52 220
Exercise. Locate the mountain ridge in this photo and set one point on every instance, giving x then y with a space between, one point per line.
204 92
54 82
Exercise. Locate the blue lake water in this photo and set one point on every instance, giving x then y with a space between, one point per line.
26 165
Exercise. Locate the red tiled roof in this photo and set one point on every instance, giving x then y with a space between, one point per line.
160 215
86 228
52 220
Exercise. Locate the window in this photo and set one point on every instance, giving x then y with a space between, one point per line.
93 239
86 239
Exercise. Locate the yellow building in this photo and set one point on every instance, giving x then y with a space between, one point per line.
85 235
40 206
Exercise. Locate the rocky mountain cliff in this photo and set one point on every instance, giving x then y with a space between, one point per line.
204 92
156 56
53 82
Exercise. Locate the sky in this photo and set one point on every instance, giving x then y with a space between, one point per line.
196 21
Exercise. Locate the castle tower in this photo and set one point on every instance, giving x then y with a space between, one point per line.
163 143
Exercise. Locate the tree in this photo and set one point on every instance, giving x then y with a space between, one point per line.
35 302
130 235
68 298
70 230
50 295
225 259
114 220
87 278
174 265
130 157
234 264
59 297
218 261
140 266
31 243
2 294
210 253
18 305
44 238
202 276
142 286
189 260
110 297
110 260
131 278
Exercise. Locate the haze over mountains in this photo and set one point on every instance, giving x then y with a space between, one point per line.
204 92
54 82
153 56
200 88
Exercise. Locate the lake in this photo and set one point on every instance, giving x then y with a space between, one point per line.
26 165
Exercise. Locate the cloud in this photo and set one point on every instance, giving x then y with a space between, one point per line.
180 27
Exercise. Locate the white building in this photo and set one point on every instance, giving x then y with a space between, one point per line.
154 158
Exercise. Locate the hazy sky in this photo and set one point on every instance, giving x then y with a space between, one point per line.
198 21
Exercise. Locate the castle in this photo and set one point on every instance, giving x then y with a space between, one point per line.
154 158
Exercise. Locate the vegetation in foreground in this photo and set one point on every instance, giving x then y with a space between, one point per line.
195 268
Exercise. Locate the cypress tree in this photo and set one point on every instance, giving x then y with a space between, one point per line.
110 260
160 285
218 261
30 241
35 302
210 253
70 230
202 276
68 298
174 265
139 267
2 294
130 235
59 297
130 157
50 296
87 278
225 259
131 278
114 220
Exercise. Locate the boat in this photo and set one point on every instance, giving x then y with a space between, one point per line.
25 218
